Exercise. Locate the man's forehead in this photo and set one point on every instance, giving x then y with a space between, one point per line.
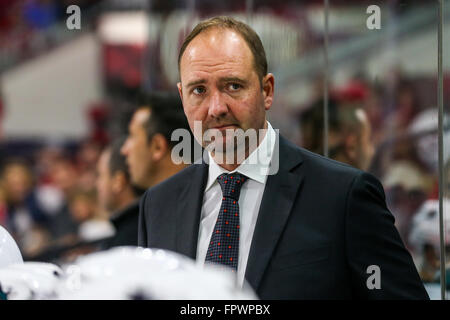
195 78
106 154
216 46
140 116
104 159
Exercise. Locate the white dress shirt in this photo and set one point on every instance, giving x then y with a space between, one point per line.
256 168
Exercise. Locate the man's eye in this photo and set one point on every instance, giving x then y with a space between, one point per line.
199 90
234 86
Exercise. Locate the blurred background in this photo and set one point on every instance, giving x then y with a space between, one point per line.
360 95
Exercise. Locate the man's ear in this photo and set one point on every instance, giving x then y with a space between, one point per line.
180 91
268 85
158 147
118 182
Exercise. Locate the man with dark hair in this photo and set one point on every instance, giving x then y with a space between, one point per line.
148 148
352 142
299 226
114 188
349 133
116 195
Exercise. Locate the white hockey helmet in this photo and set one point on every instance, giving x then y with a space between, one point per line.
9 251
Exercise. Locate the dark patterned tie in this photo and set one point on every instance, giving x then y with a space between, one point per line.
224 244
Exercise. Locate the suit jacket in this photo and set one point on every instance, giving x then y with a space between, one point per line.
125 222
320 226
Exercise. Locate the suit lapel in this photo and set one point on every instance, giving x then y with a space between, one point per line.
279 195
189 205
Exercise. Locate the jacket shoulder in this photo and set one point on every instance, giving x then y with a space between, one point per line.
317 163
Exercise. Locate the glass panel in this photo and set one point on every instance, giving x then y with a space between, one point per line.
382 88
122 50
383 112
445 175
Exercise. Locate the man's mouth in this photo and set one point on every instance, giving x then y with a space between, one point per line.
224 127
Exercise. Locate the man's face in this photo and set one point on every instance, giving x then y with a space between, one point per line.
104 182
219 84
137 149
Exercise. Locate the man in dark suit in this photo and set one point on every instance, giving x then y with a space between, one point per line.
148 146
116 195
147 153
298 226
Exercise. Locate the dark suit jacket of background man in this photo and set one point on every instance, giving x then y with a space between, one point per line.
125 223
321 224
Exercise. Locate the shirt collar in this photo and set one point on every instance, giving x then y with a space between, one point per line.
255 167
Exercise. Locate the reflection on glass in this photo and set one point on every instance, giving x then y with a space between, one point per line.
382 111
382 101
446 135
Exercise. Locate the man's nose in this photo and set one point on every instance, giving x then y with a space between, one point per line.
217 106
124 148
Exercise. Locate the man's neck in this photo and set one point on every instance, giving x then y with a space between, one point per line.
125 198
164 173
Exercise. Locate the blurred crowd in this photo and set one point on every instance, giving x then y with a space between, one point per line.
59 201
392 133
58 198
49 200
25 25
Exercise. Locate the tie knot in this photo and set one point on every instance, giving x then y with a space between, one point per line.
231 184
